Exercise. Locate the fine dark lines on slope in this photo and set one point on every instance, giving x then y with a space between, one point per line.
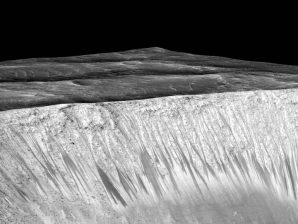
113 192
157 158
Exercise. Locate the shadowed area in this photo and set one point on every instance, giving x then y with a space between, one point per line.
134 74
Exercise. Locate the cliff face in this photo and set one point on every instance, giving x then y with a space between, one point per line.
117 162
129 75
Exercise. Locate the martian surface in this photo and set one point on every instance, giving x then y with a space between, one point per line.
148 136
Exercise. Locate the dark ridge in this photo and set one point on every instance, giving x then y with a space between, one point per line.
134 74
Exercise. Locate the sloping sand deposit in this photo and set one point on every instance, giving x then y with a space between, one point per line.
215 158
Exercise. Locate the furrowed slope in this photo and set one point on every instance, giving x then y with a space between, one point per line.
117 162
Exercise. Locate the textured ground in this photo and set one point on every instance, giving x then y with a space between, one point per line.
135 74
93 163
225 154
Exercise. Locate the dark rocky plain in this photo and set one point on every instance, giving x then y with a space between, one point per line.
133 74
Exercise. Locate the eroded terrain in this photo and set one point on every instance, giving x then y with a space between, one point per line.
148 136
216 158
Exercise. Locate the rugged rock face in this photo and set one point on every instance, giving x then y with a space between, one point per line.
212 158
135 74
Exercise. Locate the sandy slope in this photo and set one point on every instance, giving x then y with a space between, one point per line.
91 163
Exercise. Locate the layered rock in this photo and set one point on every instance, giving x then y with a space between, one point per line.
129 75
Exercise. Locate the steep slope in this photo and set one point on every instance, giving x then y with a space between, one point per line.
214 158
148 136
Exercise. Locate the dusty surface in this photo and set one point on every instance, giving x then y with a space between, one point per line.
129 75
93 163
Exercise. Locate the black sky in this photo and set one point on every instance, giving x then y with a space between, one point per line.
269 39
